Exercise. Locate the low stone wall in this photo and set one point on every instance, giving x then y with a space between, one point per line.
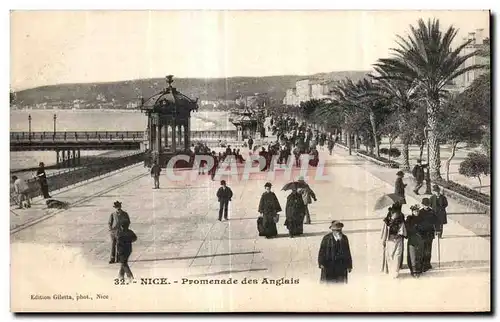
72 176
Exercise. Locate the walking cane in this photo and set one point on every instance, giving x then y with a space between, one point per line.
439 252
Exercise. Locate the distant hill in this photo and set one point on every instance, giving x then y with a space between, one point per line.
123 92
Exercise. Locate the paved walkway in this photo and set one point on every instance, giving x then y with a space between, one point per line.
179 237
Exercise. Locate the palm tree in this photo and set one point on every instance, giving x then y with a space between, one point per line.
358 96
402 99
426 60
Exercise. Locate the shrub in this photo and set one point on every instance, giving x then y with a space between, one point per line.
384 151
391 163
394 152
474 166
465 191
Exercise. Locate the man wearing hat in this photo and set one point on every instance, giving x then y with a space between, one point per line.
419 175
334 258
155 173
224 195
427 229
439 202
399 187
117 219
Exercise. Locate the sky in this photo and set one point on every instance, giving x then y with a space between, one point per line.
54 47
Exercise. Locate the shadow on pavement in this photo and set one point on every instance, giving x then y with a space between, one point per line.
114 196
322 233
317 222
466 236
465 264
230 272
436 272
193 257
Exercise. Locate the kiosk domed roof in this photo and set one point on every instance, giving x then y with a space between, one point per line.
169 99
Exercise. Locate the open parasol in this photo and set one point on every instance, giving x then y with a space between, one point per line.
296 184
387 200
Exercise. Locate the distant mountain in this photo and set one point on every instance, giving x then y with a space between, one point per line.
123 92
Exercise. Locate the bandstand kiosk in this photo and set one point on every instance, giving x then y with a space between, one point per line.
168 132
246 125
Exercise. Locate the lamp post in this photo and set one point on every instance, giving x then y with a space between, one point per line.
428 190
29 127
55 118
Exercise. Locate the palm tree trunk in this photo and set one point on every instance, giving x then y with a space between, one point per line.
349 142
421 146
433 141
480 184
374 132
453 150
406 156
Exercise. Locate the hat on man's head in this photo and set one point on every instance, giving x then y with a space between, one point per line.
400 173
426 202
117 204
268 184
436 188
414 207
301 178
337 225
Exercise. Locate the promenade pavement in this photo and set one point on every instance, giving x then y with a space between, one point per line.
180 237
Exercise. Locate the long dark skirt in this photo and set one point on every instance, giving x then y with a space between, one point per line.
270 229
295 226
415 254
334 274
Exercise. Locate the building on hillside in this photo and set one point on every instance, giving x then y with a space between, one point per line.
479 40
307 89
132 105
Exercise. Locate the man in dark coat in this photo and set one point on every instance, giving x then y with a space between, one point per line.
116 220
125 238
331 143
263 153
155 173
42 179
213 171
250 143
269 207
419 175
334 258
224 195
399 187
439 202
427 229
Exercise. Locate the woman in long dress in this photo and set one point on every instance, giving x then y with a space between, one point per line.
295 212
269 207
393 235
415 243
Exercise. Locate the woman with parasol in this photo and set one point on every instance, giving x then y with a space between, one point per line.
393 235
295 209
269 207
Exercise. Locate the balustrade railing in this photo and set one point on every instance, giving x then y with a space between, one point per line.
110 136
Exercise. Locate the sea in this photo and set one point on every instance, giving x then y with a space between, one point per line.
93 120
